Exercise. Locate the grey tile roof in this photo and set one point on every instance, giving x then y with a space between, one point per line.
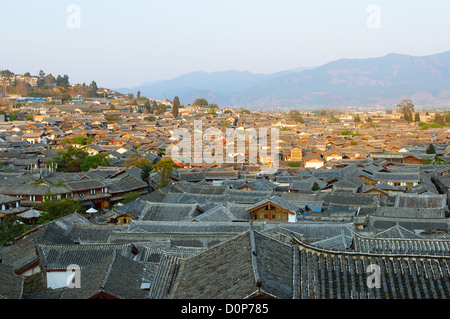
32 190
90 234
409 212
421 201
11 285
324 274
59 257
249 264
23 254
84 184
113 275
401 245
169 212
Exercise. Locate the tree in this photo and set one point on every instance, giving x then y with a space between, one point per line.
65 97
296 116
200 102
141 162
10 229
406 107
147 106
150 118
130 197
50 80
54 208
65 80
94 161
93 88
71 160
154 107
13 116
417 117
59 80
164 169
176 104
430 149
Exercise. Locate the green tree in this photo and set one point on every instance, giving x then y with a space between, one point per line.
147 106
93 89
406 107
65 97
41 75
71 160
430 149
94 161
10 229
175 106
13 116
54 208
417 117
49 80
296 116
150 118
141 162
112 118
164 169
293 164
130 197
59 80
78 140
154 107
200 102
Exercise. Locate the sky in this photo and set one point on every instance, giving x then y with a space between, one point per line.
127 43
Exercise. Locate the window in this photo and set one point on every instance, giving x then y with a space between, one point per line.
81 194
92 191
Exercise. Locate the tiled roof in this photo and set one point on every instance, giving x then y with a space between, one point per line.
59 257
324 274
246 265
11 285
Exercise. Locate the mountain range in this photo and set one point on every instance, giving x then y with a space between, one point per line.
381 81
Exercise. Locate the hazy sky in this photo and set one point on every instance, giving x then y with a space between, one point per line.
126 43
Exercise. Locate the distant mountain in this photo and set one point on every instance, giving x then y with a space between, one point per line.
346 82
215 87
365 82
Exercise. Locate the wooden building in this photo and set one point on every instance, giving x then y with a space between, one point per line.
275 209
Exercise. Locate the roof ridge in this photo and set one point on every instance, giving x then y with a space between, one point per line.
108 272
254 254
